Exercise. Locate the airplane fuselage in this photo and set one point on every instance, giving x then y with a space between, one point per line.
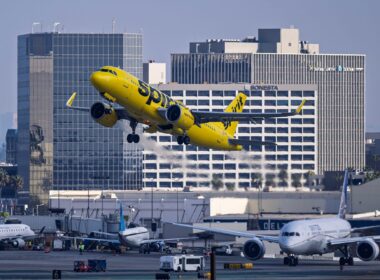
12 231
309 237
143 103
134 237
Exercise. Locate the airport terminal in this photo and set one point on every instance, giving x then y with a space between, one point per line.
85 184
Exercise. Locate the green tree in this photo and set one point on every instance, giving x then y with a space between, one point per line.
230 186
296 180
216 182
308 177
257 180
269 180
4 179
283 176
16 182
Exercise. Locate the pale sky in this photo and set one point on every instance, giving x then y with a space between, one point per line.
343 26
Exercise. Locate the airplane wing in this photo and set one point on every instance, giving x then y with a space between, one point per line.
148 241
205 116
245 234
98 240
121 113
351 240
370 230
250 142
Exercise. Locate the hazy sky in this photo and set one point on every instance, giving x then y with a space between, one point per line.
168 26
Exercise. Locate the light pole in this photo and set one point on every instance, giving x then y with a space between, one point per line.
39 206
176 183
151 202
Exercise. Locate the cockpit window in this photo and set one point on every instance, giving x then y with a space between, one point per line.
108 70
285 233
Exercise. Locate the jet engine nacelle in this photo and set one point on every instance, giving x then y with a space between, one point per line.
180 116
18 243
156 246
367 250
104 114
254 249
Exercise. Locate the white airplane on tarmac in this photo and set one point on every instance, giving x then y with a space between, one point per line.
132 237
312 237
16 234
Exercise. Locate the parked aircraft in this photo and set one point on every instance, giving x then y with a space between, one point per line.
133 237
312 237
160 113
16 234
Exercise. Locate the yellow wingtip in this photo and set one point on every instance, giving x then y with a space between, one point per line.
69 102
299 109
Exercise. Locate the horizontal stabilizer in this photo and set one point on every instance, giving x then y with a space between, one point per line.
250 142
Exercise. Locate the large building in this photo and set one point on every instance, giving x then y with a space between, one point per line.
59 148
191 166
278 57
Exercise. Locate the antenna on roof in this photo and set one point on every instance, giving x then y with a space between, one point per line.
34 24
55 27
113 25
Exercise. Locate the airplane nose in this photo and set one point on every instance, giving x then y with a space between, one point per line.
99 80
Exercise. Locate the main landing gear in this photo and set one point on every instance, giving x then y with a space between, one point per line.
183 140
291 260
133 138
347 259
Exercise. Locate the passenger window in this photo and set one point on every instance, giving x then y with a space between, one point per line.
297 234
291 234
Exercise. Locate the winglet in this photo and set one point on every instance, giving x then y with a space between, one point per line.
299 108
343 198
70 101
121 222
42 230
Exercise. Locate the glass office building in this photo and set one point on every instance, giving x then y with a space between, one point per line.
64 149
278 57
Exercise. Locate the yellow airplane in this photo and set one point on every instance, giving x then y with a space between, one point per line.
143 104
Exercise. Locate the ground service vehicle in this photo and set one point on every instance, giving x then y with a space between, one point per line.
182 263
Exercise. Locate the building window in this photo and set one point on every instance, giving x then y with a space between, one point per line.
282 103
256 93
177 93
270 102
308 93
191 93
270 93
217 93
203 93
296 93
282 93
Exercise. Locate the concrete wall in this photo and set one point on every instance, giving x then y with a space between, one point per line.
366 197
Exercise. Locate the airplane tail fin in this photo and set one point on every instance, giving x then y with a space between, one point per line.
343 198
236 106
122 221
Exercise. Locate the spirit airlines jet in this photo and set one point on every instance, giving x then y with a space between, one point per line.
310 237
132 237
143 104
16 234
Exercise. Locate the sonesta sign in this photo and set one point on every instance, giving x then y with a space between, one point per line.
338 68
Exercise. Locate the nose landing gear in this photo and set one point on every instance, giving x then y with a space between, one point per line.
291 260
183 140
133 138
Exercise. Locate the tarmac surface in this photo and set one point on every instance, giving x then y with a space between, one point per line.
39 265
